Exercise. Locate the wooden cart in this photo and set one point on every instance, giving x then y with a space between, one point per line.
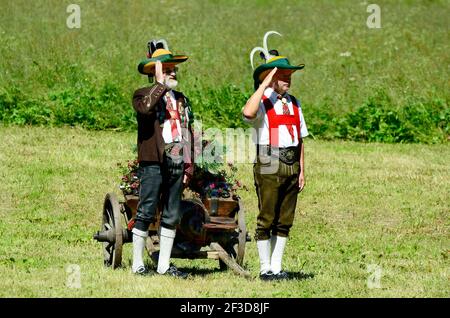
213 228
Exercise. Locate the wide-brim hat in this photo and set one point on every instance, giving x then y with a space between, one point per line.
280 62
166 57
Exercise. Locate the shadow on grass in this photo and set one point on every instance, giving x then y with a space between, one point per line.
192 271
300 275
202 272
195 271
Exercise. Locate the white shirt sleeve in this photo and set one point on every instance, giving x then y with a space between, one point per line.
303 128
259 115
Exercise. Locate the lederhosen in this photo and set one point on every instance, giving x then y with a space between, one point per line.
165 181
276 173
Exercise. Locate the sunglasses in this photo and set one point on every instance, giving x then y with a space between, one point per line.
169 71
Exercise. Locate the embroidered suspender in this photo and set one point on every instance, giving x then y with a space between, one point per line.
276 120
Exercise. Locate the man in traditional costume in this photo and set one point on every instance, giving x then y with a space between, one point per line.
164 142
279 168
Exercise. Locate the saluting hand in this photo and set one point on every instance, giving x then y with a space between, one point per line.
268 78
251 107
158 72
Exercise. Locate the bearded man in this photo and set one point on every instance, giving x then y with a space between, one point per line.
164 142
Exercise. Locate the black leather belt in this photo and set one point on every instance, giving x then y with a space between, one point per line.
288 155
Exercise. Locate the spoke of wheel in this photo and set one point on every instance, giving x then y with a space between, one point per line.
110 216
108 247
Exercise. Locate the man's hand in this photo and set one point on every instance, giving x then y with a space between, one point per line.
186 180
301 181
159 72
266 82
251 107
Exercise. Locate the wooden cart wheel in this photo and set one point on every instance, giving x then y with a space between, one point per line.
242 238
235 248
112 251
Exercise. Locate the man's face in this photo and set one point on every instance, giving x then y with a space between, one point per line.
282 81
170 72
170 76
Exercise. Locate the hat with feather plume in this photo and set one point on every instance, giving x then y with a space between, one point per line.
158 50
271 59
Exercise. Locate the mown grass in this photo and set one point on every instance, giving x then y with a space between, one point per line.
52 75
364 204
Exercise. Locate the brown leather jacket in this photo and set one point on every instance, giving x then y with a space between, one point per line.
148 102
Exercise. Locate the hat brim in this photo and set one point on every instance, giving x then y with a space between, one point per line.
147 66
263 70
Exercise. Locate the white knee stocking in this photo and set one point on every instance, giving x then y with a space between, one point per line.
264 255
165 249
139 238
278 245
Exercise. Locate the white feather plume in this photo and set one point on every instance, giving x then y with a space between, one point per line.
256 49
164 43
264 49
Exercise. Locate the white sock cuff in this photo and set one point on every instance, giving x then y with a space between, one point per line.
140 233
282 239
262 242
168 232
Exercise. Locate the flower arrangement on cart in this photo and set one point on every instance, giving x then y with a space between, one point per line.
211 179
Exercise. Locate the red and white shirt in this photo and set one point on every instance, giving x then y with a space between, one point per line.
167 128
261 121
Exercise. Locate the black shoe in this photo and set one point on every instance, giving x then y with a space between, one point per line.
266 276
143 271
174 272
281 276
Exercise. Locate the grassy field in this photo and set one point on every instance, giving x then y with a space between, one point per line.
368 208
408 54
364 205
54 75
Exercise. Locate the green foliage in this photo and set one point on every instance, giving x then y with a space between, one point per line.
377 120
105 106
52 75
86 104
219 107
